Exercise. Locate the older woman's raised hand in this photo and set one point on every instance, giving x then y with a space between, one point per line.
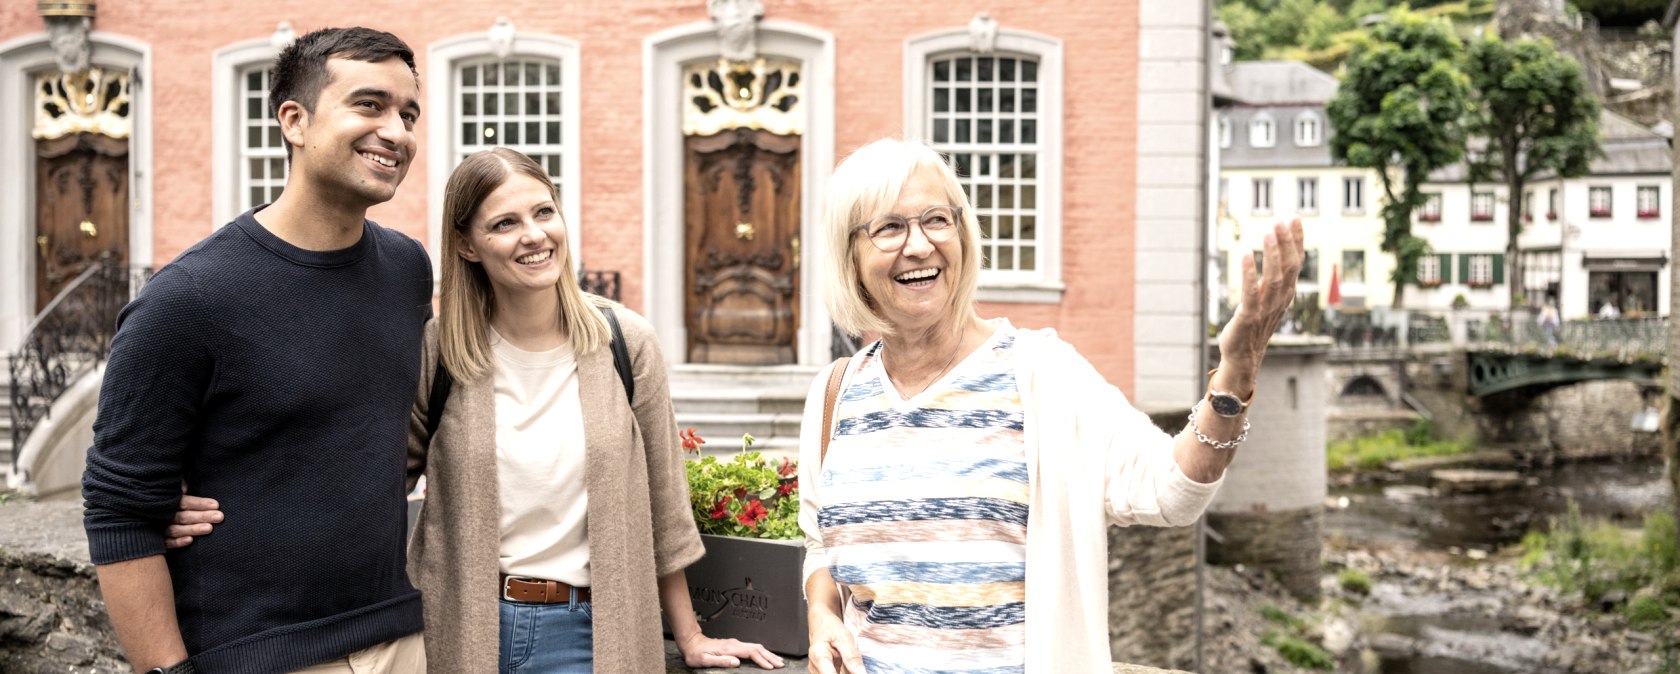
1242 344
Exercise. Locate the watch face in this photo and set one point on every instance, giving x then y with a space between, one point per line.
1226 405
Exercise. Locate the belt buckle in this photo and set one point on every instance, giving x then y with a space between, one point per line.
506 587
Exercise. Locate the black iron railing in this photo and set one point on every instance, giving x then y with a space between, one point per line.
70 337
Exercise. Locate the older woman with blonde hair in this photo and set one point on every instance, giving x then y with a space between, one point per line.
956 506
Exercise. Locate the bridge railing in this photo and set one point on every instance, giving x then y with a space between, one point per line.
1623 339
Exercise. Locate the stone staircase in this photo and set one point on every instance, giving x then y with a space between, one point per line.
723 401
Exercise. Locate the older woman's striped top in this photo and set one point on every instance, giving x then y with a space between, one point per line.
924 516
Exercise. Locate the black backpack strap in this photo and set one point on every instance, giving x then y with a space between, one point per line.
621 356
441 383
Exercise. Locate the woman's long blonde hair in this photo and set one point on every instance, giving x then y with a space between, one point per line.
467 301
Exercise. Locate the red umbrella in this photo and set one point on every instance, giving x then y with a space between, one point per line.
1334 298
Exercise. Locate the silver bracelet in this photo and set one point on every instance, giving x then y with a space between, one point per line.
1222 446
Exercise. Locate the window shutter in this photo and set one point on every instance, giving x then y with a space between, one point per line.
1463 268
1498 268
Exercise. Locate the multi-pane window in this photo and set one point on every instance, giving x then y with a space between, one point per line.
1353 266
1481 271
1431 211
1598 202
1224 131
1353 194
1309 267
513 103
262 151
1261 131
1551 204
1429 270
1309 131
1650 204
1306 191
1262 195
985 116
1481 206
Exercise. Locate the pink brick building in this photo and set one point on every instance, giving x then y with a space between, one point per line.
1081 126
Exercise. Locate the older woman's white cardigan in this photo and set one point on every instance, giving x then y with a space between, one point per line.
1092 460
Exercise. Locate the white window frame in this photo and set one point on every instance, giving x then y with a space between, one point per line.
1609 210
1224 131
1043 285
1309 130
227 130
1476 212
442 113
1429 269
1353 194
1262 203
1481 271
1431 209
1306 195
1262 130
1639 206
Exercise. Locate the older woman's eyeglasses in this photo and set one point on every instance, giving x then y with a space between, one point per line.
889 232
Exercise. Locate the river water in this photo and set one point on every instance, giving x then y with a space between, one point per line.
1457 633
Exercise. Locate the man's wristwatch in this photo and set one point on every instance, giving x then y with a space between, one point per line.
1228 405
182 667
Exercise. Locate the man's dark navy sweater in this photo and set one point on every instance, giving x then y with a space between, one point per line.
278 381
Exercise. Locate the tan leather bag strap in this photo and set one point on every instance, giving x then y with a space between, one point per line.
835 374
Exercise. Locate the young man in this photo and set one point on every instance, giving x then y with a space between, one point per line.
273 366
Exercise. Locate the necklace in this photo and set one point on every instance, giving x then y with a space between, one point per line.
947 366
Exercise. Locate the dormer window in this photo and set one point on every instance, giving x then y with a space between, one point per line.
1309 130
1262 132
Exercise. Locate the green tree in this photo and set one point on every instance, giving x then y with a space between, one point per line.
1532 108
1399 110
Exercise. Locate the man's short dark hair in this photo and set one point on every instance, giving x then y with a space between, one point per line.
300 71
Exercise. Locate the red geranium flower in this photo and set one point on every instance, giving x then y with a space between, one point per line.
787 488
721 510
752 514
787 468
691 441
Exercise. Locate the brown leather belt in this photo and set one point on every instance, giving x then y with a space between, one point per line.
539 591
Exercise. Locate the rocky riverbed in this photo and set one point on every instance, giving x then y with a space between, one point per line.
1429 612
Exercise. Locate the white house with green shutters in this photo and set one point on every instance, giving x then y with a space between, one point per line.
1601 239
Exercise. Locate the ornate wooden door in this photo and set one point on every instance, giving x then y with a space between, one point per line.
81 208
742 249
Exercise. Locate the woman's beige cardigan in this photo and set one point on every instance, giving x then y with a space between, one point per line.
640 526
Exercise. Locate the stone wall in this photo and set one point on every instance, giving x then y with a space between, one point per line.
52 619
1152 596
1273 541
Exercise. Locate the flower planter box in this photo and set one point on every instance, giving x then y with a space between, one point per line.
749 589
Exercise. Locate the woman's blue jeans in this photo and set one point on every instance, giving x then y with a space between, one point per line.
547 638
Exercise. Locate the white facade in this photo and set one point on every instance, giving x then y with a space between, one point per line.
1601 238
1347 241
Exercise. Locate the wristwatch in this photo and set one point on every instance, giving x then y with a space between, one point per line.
1228 405
182 667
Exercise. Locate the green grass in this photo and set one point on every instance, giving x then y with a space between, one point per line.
1373 452
1300 652
1354 581
1594 558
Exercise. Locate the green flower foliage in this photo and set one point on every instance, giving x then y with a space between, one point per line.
746 495
1399 110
